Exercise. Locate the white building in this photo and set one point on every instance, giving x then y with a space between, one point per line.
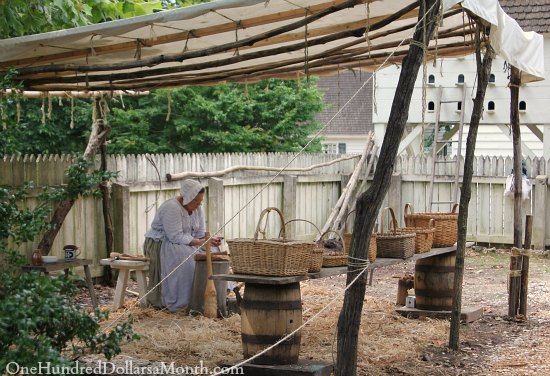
453 75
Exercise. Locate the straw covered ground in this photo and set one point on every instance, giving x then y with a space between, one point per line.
389 344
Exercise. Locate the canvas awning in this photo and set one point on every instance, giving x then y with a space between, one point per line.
250 40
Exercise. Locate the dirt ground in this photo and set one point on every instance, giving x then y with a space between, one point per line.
389 344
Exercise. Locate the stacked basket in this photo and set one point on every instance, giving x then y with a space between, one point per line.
446 225
332 258
270 257
424 235
394 244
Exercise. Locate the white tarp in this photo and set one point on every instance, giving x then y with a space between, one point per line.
195 45
523 50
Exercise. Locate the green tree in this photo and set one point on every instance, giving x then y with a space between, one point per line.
268 116
23 17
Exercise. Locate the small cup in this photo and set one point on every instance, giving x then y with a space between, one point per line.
71 252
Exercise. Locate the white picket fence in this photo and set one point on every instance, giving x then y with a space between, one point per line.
240 197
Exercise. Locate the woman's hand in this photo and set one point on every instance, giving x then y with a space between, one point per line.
216 241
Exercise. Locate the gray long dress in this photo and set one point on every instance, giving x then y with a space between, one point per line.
176 228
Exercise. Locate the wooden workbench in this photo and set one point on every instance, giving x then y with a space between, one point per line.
47 268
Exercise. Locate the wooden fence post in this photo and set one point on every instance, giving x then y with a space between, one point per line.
539 213
394 197
289 203
216 208
121 217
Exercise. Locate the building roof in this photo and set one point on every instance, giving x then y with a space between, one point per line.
246 41
356 117
531 15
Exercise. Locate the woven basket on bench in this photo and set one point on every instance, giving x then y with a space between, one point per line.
333 258
394 244
371 254
446 225
270 257
316 257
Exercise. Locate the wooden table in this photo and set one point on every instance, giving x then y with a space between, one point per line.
124 268
271 308
47 268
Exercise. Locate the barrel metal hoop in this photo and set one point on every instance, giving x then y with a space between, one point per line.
272 306
433 293
258 339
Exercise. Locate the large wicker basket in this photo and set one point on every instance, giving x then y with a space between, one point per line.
371 253
316 257
394 244
424 236
446 224
270 257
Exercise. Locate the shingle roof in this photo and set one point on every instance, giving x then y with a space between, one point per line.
356 117
532 15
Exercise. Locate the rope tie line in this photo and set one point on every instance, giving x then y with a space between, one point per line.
92 50
189 33
237 25
137 55
152 34
367 29
263 188
169 104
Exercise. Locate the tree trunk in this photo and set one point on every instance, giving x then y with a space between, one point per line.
515 81
107 208
369 203
62 208
483 72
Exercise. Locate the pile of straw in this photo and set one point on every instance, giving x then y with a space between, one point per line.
386 338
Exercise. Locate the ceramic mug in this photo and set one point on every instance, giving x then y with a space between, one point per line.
71 252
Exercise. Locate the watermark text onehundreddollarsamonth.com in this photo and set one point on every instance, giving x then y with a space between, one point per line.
120 368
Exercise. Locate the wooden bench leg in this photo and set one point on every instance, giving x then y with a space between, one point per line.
121 284
90 284
142 286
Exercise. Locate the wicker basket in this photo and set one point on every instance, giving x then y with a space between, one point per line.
333 258
316 257
394 244
446 225
371 254
424 236
270 257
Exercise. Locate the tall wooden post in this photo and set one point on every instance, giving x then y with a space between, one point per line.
515 81
369 203
483 72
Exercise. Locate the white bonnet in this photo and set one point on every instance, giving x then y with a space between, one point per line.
189 190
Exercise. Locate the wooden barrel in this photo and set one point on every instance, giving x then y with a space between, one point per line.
434 282
199 284
268 313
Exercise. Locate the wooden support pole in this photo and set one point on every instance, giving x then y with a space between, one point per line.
514 285
524 285
515 81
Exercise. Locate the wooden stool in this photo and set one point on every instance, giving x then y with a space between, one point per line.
124 268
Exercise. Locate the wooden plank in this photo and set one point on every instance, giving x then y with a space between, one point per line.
302 368
467 314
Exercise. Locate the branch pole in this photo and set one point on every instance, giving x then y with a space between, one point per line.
213 174
369 202
483 72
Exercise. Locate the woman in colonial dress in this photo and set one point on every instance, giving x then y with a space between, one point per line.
177 231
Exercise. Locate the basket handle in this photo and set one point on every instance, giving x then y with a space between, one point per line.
334 232
303 220
408 221
455 206
263 214
431 223
345 219
393 221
